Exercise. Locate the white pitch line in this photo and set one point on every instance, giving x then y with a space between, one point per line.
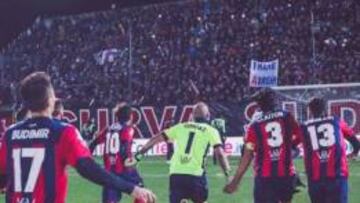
216 175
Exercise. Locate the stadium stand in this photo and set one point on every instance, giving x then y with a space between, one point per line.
208 42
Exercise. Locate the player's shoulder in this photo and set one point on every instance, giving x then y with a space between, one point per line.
321 120
59 125
128 131
116 127
16 125
61 129
39 122
181 125
209 128
265 117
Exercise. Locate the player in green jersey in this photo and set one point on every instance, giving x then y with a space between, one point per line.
187 167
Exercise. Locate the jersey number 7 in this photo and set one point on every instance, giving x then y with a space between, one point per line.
37 155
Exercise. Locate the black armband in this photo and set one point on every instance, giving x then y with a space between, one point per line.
90 170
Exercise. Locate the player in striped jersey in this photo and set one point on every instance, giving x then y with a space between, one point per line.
35 153
323 138
269 140
118 140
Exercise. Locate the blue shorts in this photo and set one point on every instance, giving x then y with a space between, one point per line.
110 195
188 187
329 191
274 190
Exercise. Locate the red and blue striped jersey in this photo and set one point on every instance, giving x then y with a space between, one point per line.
34 154
271 137
324 146
118 141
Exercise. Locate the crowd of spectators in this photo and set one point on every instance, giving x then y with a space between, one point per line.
176 49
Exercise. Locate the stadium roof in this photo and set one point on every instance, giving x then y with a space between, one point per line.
18 15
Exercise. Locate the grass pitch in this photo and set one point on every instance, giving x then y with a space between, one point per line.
155 174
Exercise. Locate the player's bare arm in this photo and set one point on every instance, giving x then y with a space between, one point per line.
129 162
224 162
351 137
245 162
153 141
97 139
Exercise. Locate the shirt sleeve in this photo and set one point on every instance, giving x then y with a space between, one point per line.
215 139
172 133
73 146
3 155
346 130
250 138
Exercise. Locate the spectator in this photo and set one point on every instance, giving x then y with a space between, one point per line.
209 43
88 130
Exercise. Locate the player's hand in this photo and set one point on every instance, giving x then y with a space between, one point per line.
231 187
229 179
353 156
132 161
143 194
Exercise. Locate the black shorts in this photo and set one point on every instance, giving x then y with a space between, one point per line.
188 187
273 190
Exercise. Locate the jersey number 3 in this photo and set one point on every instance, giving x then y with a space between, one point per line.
37 155
275 138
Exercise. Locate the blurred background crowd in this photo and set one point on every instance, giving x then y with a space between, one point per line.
167 53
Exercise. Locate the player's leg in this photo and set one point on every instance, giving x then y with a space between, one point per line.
110 196
264 191
177 187
285 189
134 177
337 191
316 191
199 191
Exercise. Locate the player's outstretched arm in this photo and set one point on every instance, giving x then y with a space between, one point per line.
243 166
129 162
98 138
355 144
349 134
90 170
153 141
224 162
